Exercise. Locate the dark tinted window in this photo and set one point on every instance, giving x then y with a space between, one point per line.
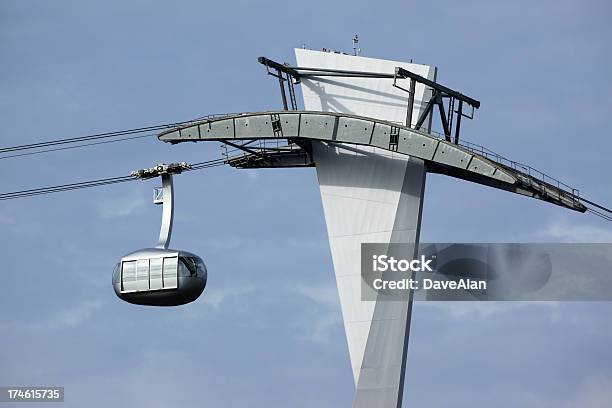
116 273
187 267
201 268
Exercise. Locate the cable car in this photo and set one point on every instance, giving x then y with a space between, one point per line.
160 276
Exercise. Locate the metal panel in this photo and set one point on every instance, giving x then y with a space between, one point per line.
290 123
148 253
551 193
481 167
374 98
170 273
254 126
415 144
142 274
503 176
128 276
354 130
567 201
317 126
191 132
220 129
452 156
381 135
170 135
155 273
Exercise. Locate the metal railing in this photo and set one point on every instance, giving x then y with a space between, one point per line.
260 146
529 172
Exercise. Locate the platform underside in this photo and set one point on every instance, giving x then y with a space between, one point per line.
300 127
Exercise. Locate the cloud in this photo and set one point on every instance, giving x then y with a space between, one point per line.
219 295
69 317
253 176
149 381
480 310
223 243
596 392
122 206
322 294
327 315
75 316
305 243
562 231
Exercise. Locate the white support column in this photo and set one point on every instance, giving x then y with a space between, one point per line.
370 196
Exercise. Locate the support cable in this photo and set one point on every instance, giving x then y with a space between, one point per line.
95 136
107 181
79 146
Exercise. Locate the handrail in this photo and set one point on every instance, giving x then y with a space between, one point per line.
522 168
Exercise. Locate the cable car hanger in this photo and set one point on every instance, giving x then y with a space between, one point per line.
164 195
160 276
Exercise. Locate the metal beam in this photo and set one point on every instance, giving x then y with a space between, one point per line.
458 124
427 111
410 107
277 66
404 73
358 130
399 71
246 149
165 231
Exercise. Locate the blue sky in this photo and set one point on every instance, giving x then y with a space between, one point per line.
268 329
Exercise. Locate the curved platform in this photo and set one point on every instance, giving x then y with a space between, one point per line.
466 162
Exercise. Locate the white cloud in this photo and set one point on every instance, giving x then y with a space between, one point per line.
253 175
307 243
479 310
562 231
328 316
159 378
594 393
68 317
223 243
322 294
121 206
219 295
75 316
